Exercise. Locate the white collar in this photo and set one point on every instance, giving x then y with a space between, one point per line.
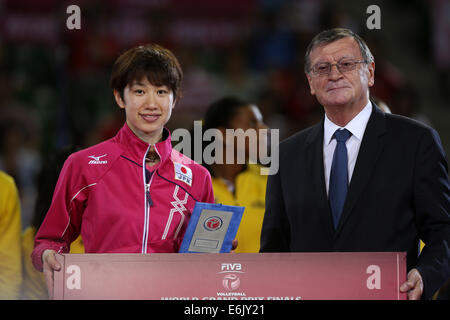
356 126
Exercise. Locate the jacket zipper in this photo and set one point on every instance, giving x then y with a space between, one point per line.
148 202
146 205
147 194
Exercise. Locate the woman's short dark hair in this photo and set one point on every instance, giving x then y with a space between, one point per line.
158 64
222 111
328 36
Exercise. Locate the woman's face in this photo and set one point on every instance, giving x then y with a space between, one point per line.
249 117
147 107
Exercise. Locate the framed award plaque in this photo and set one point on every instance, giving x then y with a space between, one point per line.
212 228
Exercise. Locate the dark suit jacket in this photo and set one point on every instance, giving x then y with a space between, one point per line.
399 193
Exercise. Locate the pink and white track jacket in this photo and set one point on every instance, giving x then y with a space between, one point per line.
120 206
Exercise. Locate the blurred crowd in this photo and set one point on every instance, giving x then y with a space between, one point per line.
54 89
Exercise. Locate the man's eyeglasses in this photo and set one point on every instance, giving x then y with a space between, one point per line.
324 68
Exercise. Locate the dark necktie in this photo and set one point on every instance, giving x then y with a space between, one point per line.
339 175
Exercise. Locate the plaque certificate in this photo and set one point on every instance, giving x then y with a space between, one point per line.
212 227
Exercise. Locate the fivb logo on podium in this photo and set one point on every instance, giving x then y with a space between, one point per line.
231 281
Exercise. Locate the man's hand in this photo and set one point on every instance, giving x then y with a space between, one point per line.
50 265
413 285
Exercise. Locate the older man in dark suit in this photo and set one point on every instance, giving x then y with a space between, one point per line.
360 180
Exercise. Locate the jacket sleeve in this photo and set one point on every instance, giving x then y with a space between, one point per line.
432 204
275 233
10 242
63 220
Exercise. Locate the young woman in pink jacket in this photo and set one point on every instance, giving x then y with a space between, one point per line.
132 193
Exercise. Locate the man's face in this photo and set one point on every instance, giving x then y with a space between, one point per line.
147 108
341 88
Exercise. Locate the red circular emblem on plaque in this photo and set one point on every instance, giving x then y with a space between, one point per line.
213 223
183 169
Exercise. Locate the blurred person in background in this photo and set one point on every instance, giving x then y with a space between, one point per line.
234 183
10 232
361 179
19 154
106 192
440 43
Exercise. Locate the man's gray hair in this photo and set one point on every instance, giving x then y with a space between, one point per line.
331 35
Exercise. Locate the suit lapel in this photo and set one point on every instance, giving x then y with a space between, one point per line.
314 160
369 151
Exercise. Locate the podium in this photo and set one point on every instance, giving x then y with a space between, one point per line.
233 276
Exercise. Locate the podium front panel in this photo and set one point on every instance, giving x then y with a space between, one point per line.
233 276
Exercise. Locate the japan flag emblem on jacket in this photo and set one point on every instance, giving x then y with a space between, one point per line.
183 173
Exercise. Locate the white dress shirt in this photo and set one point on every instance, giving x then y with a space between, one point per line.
356 126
